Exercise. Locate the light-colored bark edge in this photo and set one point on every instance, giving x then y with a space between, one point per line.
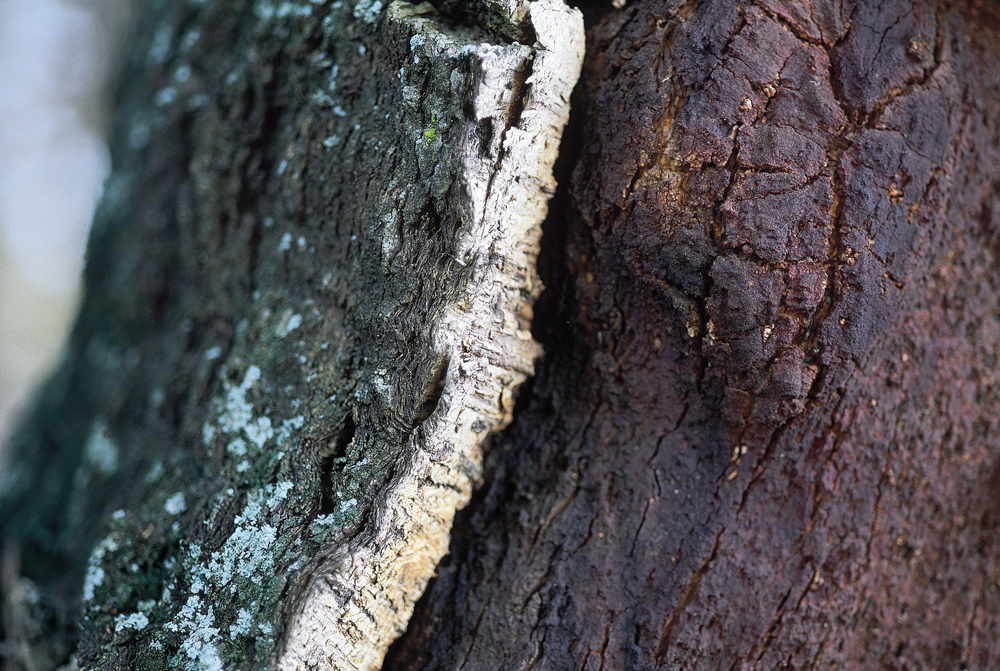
351 615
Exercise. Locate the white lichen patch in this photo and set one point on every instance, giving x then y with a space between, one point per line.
353 611
367 10
259 431
288 427
325 520
247 553
207 433
238 411
135 621
237 419
348 504
176 504
94 576
91 581
289 323
237 447
247 556
278 493
196 620
101 452
267 11
243 625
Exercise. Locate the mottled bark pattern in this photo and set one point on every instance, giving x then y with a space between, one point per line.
765 435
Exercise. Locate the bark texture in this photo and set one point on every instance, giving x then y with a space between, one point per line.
765 432
309 294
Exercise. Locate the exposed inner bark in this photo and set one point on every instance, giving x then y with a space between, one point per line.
765 432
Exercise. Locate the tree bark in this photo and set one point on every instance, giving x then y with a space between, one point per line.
763 434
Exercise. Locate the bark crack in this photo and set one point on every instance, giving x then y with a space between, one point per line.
694 583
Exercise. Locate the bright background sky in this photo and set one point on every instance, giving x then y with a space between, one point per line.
56 59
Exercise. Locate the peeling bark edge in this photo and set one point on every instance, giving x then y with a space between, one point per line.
364 598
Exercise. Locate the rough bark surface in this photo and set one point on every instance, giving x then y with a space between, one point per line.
309 292
765 433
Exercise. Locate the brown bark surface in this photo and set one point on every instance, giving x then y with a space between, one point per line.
765 434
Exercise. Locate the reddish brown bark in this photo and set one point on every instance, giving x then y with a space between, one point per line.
766 432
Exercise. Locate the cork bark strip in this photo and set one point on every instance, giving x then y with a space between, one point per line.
363 600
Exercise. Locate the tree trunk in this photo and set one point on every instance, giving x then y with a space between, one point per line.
763 432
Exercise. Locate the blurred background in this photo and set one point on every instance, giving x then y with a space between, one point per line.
57 66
